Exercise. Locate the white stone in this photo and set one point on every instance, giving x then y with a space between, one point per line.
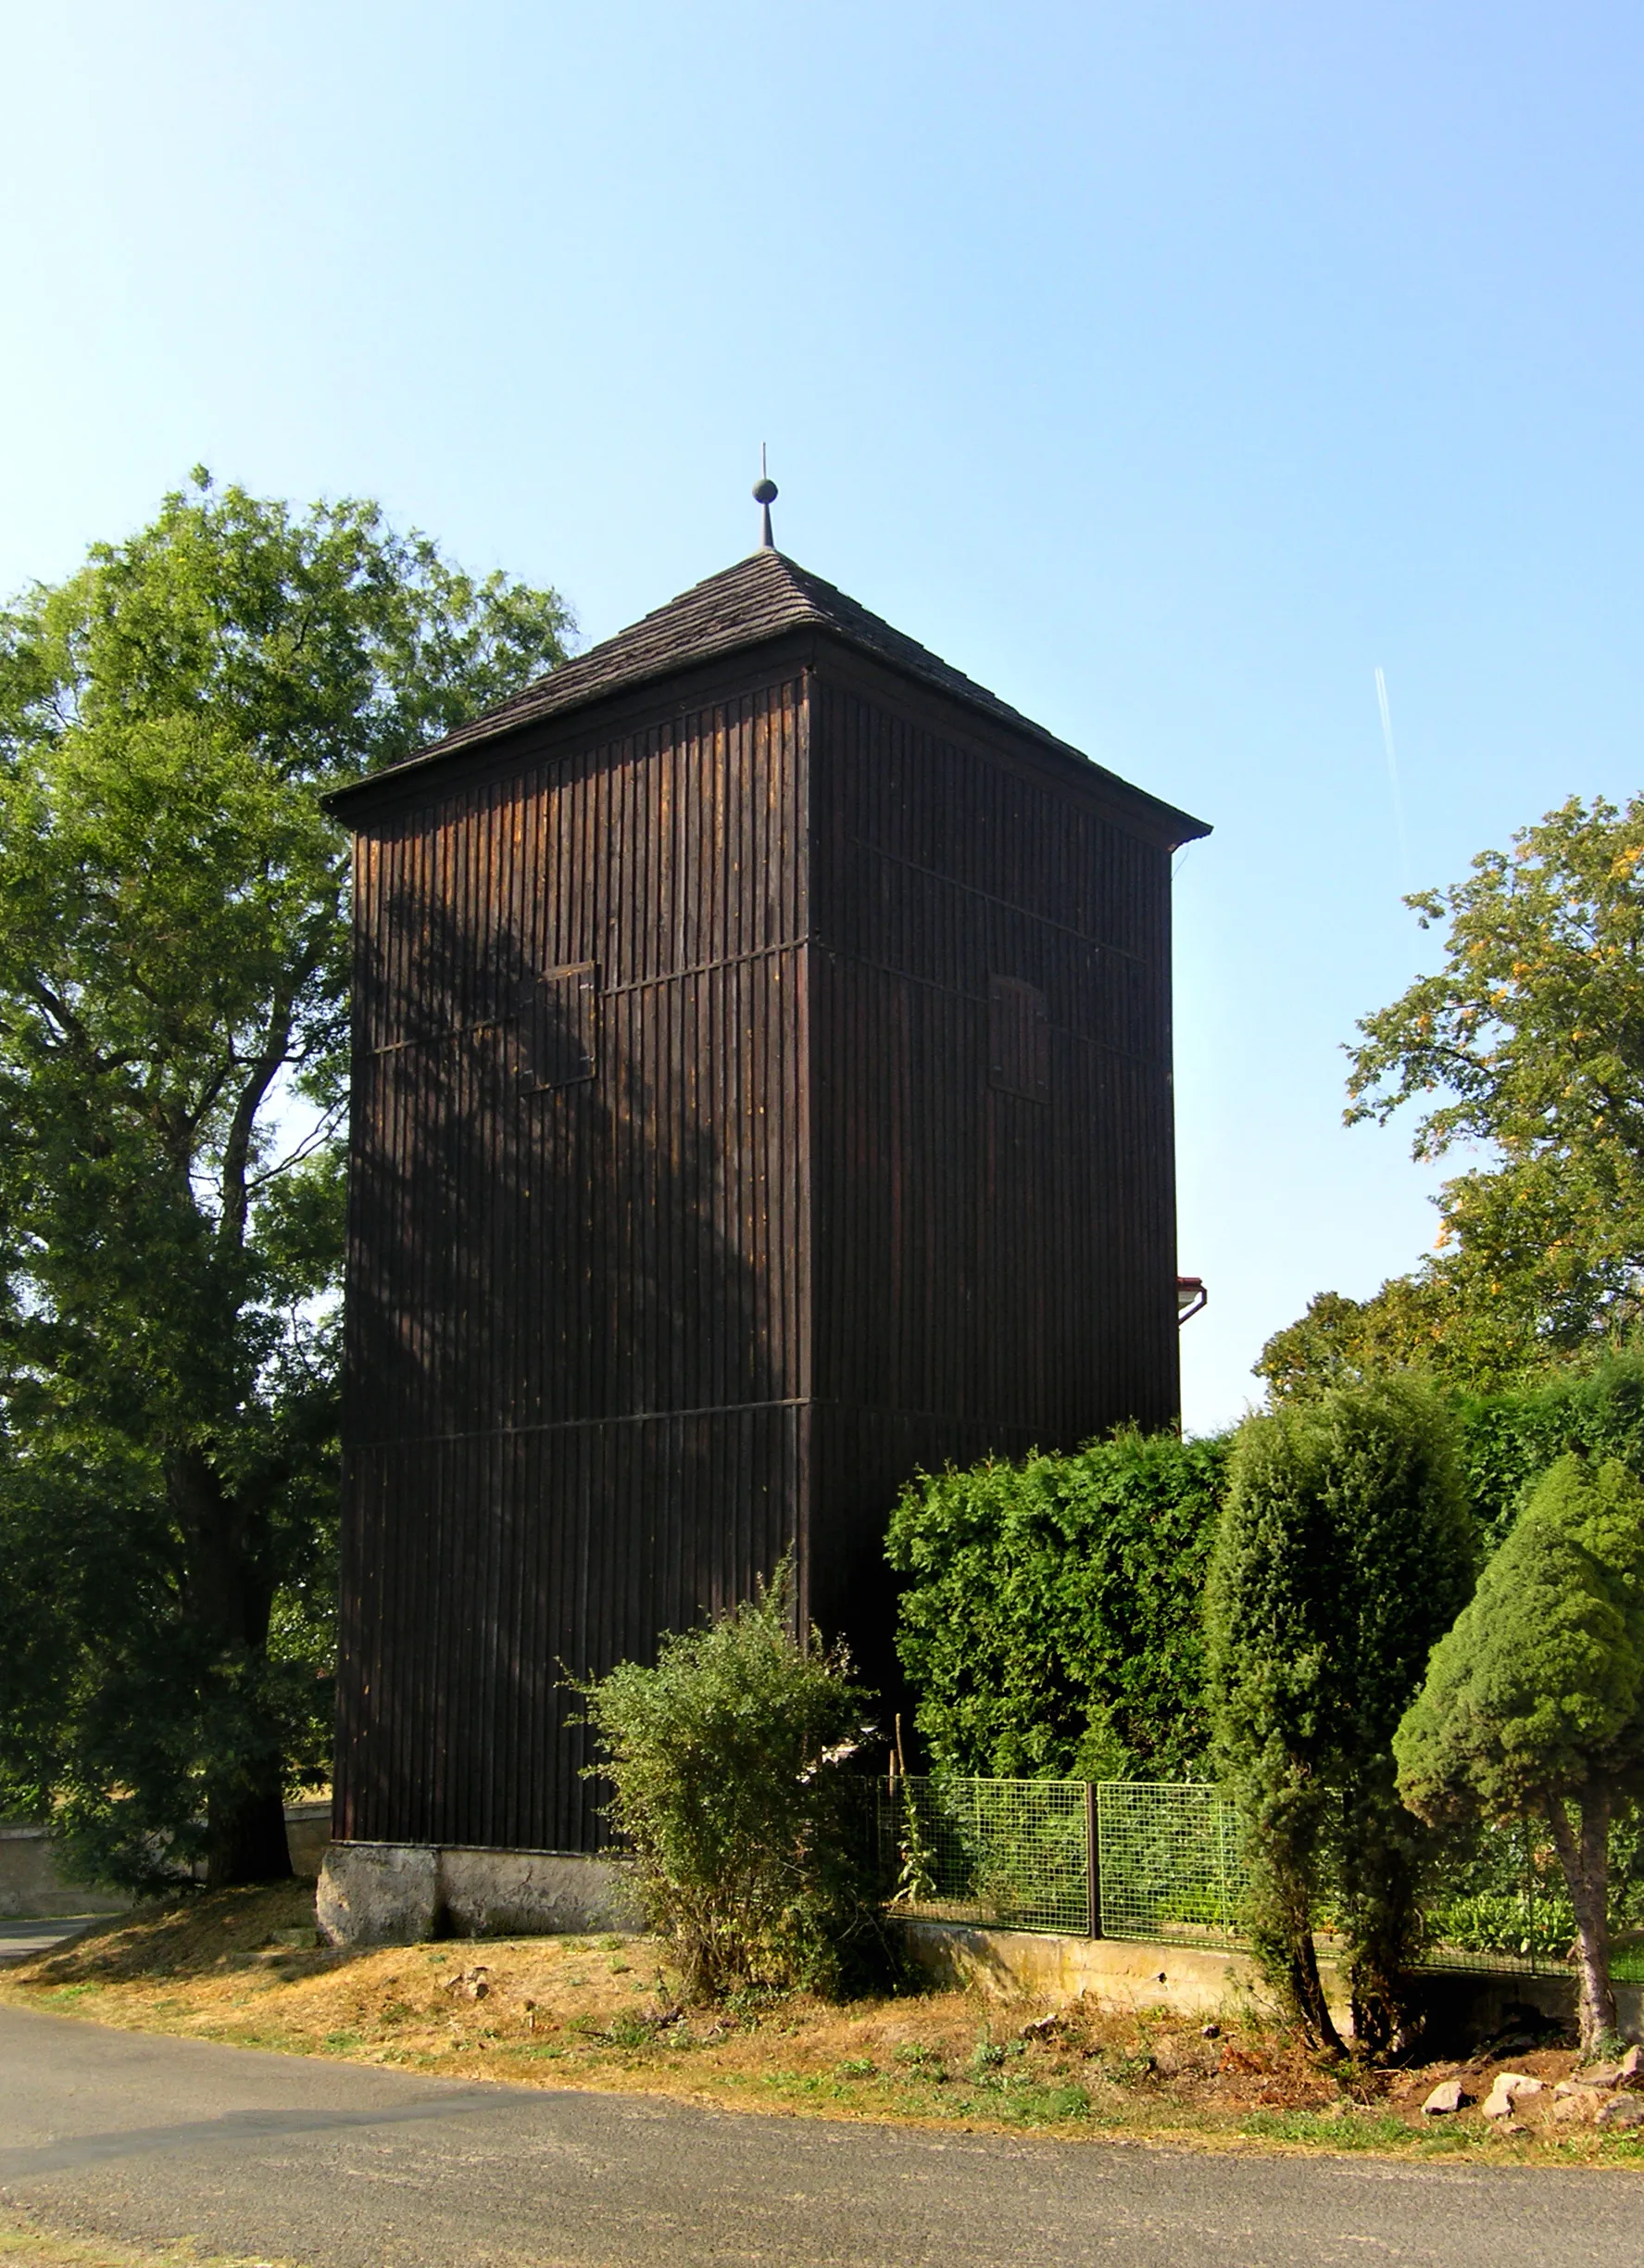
1510 2087
1622 2110
1447 2096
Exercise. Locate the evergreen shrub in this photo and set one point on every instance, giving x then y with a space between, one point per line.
1534 1702
1345 1551
1050 1624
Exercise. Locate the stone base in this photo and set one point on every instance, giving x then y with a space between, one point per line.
401 1893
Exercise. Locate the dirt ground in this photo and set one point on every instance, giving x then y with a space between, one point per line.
247 1967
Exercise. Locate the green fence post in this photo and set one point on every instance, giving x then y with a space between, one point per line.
1092 1863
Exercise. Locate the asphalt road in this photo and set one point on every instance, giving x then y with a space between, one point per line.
143 2139
21 1940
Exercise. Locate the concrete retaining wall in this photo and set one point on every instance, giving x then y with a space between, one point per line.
1023 1965
33 1882
307 1836
400 1892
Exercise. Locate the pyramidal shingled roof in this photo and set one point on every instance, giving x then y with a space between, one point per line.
761 598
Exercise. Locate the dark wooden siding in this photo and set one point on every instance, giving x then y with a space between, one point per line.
995 1199
751 1107
577 1341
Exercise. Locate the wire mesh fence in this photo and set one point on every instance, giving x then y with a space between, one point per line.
1504 1905
1012 1853
1167 1861
1170 1862
1119 1860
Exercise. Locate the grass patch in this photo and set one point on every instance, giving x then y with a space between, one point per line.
1330 2130
27 2242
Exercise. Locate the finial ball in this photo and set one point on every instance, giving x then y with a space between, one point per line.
765 491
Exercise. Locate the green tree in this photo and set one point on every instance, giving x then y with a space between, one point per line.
1345 1549
727 1760
173 1005
1427 1322
1049 1623
1534 1702
1529 1039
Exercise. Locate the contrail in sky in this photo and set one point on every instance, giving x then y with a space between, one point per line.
1387 733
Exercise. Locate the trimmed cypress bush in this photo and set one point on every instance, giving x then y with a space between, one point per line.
1344 1552
1534 1702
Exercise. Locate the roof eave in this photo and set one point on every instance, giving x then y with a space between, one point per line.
1181 826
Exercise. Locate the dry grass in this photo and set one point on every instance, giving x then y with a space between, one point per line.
25 2243
600 2012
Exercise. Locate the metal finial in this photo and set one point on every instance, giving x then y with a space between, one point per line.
764 497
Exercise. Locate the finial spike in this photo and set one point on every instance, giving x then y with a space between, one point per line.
764 497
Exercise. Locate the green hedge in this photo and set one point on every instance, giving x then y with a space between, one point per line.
1507 1440
1051 1624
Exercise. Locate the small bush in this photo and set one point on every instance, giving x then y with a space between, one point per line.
727 1761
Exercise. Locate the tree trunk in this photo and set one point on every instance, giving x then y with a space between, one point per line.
245 1839
1307 1990
229 1602
1282 1937
1382 1926
1585 1857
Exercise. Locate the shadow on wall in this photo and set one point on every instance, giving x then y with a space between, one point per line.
570 1419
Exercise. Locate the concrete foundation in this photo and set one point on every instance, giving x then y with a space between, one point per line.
1023 1965
1462 2005
400 1892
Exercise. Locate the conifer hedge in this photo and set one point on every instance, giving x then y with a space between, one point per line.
1050 1625
1507 1439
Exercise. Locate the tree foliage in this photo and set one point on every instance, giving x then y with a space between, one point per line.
1344 1550
1529 1039
1050 1621
1535 1700
727 1760
1432 1321
1506 1435
173 979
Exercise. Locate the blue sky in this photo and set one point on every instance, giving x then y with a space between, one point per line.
1167 368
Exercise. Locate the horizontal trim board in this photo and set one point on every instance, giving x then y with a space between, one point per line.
578 1425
